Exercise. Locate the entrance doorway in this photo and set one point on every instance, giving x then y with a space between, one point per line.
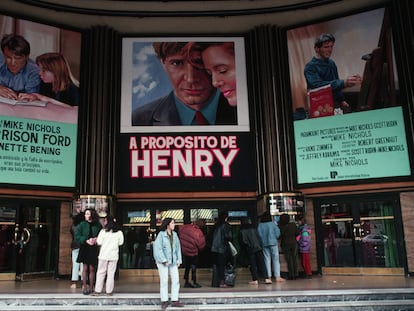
27 240
360 235
141 223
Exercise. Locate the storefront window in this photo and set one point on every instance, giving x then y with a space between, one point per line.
359 233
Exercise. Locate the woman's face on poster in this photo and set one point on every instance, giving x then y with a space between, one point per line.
220 64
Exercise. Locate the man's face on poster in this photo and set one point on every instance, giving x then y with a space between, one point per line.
14 62
325 51
191 83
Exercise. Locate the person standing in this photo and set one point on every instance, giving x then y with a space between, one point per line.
77 219
288 233
269 233
110 238
192 242
304 244
86 235
167 255
220 248
249 239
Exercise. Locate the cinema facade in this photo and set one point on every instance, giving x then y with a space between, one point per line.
350 172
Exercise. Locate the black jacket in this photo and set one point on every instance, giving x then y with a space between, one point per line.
221 237
249 239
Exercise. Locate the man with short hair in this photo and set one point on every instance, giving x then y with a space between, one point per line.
321 70
19 76
194 100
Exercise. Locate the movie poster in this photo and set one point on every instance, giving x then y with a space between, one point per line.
38 115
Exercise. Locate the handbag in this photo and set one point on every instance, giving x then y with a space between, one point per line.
233 249
229 275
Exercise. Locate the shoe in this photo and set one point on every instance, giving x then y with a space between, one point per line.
196 285
308 277
164 305
73 286
96 294
268 281
224 286
86 292
280 280
253 282
188 285
177 304
109 294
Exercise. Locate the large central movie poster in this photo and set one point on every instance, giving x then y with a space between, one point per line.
184 115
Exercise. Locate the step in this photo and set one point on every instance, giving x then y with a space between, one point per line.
362 299
325 306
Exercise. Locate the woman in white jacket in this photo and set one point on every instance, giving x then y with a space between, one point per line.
110 238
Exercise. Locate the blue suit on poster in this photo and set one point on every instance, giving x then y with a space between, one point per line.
163 112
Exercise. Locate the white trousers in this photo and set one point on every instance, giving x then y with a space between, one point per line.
163 272
108 268
76 266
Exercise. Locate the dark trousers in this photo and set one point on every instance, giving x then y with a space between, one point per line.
190 264
220 261
291 254
257 265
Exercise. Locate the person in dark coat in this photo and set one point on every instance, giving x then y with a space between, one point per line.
220 247
77 219
86 234
289 245
249 239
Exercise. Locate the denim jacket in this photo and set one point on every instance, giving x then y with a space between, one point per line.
269 232
162 249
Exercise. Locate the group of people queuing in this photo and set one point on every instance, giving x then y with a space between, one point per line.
97 246
260 245
48 78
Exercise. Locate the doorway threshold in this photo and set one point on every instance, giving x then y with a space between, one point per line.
361 271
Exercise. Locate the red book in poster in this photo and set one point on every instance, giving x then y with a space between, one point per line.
321 102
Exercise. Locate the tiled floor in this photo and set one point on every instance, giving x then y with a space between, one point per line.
128 283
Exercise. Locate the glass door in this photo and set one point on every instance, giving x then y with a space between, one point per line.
7 225
28 240
377 238
360 232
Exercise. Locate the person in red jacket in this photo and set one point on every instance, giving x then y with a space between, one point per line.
192 242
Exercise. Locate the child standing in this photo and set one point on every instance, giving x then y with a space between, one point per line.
304 243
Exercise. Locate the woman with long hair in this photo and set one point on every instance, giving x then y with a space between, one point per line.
86 235
59 86
167 255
